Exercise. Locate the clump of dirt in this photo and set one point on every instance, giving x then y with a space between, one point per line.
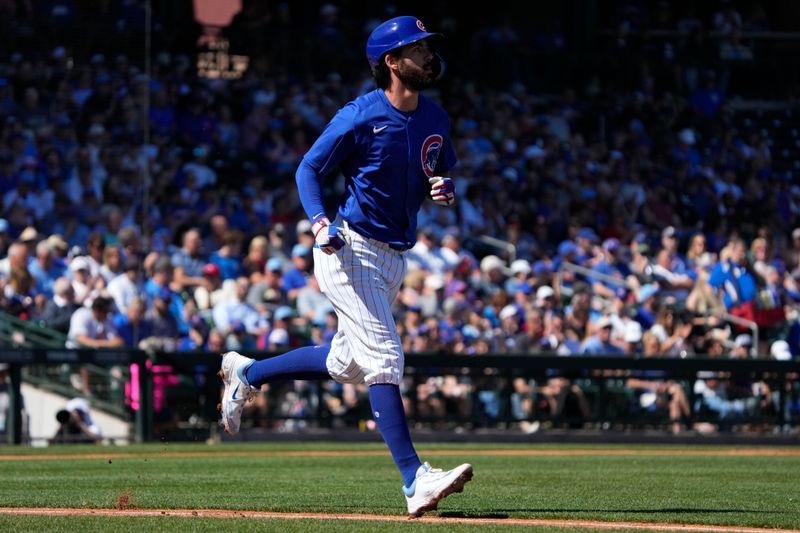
124 501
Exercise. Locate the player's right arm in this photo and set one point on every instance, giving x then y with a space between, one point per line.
336 144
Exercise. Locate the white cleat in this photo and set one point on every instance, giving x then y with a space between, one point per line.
432 485
236 393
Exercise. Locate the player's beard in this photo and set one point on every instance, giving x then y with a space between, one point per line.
414 77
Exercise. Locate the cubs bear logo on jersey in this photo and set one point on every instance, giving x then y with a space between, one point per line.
431 149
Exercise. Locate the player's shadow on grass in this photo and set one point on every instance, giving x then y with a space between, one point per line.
668 510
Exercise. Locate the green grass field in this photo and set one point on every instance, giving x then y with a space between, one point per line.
681 485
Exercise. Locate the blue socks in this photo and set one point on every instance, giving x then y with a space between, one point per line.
389 415
387 405
303 363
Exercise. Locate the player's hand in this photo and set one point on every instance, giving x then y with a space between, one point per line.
329 238
443 190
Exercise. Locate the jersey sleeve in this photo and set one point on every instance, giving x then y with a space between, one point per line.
334 145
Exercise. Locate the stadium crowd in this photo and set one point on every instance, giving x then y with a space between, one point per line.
192 237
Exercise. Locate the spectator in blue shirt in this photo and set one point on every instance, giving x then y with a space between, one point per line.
732 278
297 278
600 342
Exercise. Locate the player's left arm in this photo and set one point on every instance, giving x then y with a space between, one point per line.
443 188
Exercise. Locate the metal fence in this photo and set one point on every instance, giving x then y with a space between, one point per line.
491 398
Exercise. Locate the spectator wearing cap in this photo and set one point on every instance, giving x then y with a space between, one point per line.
236 309
58 310
212 290
228 256
545 299
586 240
127 286
163 325
648 307
59 248
268 292
741 346
204 174
30 238
195 339
449 327
161 277
685 152
600 342
303 233
431 295
238 339
520 270
509 329
188 261
607 264
45 269
677 263
297 277
92 326
493 275
278 337
631 337
781 351
82 281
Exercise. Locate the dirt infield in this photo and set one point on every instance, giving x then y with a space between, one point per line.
740 452
263 515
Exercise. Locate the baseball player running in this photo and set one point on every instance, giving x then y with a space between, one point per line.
392 145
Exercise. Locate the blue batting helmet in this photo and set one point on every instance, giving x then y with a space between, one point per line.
393 34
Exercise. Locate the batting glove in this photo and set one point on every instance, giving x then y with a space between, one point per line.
329 238
443 190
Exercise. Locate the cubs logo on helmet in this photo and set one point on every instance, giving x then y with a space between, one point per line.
431 149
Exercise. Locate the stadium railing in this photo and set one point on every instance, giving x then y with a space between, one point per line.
199 371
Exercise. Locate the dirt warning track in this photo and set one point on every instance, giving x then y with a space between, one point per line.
740 452
264 515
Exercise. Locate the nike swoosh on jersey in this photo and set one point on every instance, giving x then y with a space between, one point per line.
233 396
376 129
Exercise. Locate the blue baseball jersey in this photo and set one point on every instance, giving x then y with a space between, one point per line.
386 156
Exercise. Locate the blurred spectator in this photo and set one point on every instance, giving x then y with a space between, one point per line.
236 310
188 261
76 425
297 277
127 286
93 326
58 310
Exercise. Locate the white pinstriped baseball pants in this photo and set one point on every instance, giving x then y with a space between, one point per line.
362 280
